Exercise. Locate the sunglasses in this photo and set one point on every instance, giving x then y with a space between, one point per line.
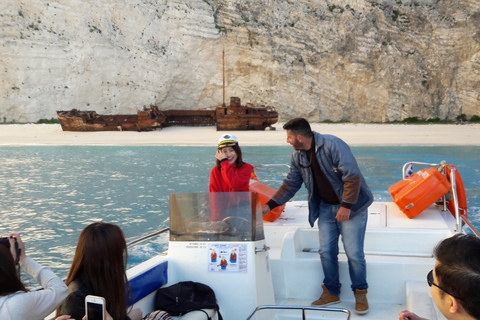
430 283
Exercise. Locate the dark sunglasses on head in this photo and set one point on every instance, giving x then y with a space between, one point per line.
430 283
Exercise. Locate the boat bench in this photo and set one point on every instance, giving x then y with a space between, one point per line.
299 254
302 242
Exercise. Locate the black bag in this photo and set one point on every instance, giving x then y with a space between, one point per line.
186 296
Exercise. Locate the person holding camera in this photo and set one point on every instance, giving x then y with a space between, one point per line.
16 301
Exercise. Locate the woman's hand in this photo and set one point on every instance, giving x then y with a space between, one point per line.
407 315
220 155
16 236
64 317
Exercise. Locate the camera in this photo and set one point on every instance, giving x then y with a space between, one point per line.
4 242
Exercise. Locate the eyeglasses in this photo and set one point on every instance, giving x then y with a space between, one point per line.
430 283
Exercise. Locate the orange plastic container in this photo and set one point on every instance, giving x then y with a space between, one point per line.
419 191
265 193
398 186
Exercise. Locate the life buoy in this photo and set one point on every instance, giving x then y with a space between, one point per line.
265 193
461 196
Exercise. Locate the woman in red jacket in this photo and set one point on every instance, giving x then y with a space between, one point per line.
230 172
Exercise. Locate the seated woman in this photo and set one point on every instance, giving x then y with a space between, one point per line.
98 268
230 172
16 302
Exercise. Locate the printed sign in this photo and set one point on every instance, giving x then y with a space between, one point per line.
227 258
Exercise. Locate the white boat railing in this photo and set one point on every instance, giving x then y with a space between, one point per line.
302 308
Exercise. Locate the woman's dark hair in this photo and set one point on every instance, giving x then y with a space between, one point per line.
458 270
100 262
239 162
9 280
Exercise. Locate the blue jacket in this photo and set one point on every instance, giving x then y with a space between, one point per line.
338 164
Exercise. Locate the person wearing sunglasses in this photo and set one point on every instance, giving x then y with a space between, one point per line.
338 197
455 280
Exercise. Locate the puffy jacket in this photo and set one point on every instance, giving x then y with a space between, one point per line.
338 164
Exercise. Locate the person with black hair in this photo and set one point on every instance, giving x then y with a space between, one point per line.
16 301
455 280
338 197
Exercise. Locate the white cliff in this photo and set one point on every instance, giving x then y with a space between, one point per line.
342 60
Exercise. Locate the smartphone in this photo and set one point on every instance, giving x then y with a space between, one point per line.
95 307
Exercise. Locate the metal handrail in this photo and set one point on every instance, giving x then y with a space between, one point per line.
442 163
148 236
471 226
272 165
303 308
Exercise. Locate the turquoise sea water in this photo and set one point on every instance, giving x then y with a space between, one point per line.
49 194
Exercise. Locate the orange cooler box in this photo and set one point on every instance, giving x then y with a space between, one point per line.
417 192
265 193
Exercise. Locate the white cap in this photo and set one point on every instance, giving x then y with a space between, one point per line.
227 140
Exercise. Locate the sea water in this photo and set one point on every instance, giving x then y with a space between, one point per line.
50 193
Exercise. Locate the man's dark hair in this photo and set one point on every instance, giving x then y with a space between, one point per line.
458 270
299 126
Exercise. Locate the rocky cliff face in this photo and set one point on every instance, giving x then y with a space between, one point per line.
354 60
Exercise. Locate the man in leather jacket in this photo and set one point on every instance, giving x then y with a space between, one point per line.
338 197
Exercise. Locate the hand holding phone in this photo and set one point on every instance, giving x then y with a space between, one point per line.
95 307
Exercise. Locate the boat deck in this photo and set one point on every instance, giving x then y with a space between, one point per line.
398 252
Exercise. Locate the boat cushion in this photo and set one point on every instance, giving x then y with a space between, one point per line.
148 282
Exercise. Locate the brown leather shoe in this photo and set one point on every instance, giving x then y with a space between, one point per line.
326 299
361 302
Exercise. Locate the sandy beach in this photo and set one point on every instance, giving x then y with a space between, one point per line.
353 134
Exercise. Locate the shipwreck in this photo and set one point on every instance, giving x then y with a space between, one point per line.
232 117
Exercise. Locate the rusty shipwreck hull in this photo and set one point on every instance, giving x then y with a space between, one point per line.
232 117
146 120
249 117
189 118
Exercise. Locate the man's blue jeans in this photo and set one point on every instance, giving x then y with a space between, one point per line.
353 236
